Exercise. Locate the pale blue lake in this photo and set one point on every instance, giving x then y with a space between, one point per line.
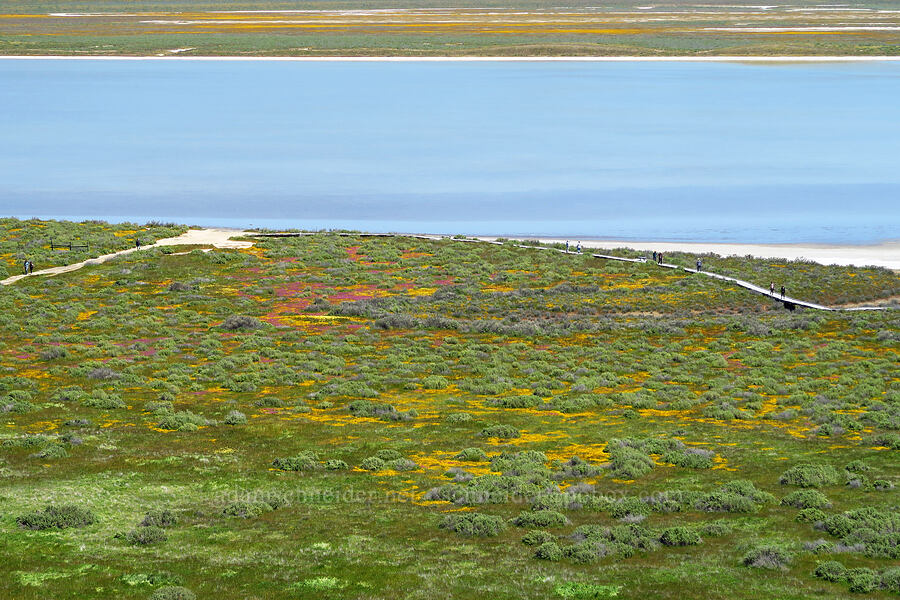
633 150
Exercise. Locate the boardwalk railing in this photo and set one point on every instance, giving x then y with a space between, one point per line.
69 246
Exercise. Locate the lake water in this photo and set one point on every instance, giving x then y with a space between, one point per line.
632 150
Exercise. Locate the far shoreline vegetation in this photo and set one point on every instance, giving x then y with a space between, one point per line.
359 417
526 28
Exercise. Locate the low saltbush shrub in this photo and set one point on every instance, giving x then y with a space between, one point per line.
806 499
540 518
57 517
304 461
808 475
474 524
679 536
768 556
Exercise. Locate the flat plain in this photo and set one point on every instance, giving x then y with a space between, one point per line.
342 416
525 28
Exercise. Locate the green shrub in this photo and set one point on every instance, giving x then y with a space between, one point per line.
586 591
11 405
808 475
57 517
269 402
518 402
806 499
691 458
241 322
402 464
501 431
235 417
888 440
474 524
27 441
629 463
890 580
388 455
629 507
715 529
336 465
739 496
831 570
159 407
549 551
810 515
385 412
435 382
767 557
373 463
679 536
304 461
72 393
472 455
144 536
857 466
247 509
459 417
536 537
173 592
52 451
183 420
873 529
540 518
862 580
160 518
154 579
104 401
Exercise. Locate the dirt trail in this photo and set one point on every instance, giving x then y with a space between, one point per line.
218 238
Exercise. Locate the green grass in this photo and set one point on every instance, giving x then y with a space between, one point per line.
579 355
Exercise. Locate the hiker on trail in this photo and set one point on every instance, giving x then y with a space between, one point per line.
29 267
772 288
578 248
137 244
659 258
654 256
699 265
25 267
567 246
782 291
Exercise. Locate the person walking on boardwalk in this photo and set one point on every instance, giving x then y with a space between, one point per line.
659 258
782 291
137 243
25 267
578 248
699 265
654 256
567 246
772 288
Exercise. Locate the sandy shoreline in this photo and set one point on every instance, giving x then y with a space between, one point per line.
885 254
699 59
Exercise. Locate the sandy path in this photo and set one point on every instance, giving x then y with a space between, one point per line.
218 238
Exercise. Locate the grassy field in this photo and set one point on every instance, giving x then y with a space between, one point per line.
33 240
348 417
526 28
